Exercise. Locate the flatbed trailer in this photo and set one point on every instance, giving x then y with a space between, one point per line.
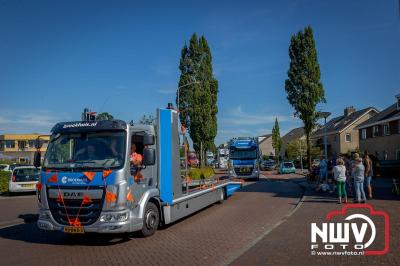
104 193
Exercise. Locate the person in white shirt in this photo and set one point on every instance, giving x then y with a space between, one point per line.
339 173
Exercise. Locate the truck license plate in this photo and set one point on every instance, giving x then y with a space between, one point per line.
74 230
244 170
28 185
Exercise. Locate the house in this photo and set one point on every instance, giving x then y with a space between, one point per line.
21 147
380 135
292 135
342 132
265 145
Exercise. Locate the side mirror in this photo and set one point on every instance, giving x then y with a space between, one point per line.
148 139
37 159
149 156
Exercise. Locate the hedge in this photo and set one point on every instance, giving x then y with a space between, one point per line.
199 173
4 179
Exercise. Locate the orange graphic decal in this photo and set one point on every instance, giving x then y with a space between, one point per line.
74 222
129 197
86 200
89 175
111 197
106 173
52 179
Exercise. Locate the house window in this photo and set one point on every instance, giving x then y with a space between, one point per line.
386 131
364 133
22 144
31 143
9 144
348 137
375 131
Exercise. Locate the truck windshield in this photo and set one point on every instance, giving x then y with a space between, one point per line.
243 154
86 150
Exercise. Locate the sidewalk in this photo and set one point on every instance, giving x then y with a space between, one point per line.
289 243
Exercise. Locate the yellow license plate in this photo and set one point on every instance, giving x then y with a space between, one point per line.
244 170
74 230
28 185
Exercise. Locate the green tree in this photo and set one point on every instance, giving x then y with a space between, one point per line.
276 138
303 87
104 116
197 95
147 120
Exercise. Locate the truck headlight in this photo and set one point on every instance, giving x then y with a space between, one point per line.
114 217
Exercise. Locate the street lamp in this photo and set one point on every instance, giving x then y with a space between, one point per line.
180 87
325 115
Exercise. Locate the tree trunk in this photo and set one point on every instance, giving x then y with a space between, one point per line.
308 151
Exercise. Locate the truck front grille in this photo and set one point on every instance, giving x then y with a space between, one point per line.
72 208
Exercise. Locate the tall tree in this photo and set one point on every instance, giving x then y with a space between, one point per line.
197 95
276 138
104 116
304 87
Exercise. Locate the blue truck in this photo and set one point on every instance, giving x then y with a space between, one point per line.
244 158
90 180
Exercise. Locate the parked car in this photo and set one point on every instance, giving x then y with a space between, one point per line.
267 165
287 168
5 167
23 179
315 163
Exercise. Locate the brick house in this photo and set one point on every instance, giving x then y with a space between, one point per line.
342 132
293 135
380 135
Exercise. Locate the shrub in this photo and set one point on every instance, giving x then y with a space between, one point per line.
199 173
4 179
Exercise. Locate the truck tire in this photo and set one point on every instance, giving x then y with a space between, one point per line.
151 220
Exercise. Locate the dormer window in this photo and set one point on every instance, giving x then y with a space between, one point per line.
398 101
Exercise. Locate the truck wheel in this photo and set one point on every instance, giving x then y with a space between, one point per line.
221 196
151 220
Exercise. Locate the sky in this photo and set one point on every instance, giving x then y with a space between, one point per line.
122 57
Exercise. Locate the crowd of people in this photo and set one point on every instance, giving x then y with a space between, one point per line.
350 175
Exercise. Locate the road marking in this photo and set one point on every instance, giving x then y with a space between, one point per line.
11 223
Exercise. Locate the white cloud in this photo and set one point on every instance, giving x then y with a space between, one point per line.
239 117
39 121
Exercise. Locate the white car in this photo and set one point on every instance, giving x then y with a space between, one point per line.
23 179
5 167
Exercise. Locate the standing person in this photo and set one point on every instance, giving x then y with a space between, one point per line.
368 173
358 175
323 169
339 174
349 181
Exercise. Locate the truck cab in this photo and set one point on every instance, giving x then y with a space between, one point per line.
244 159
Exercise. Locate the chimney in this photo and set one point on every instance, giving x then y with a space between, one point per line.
398 101
349 110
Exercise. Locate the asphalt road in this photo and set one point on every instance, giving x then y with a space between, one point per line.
216 235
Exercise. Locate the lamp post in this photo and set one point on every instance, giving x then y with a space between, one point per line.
180 87
325 115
